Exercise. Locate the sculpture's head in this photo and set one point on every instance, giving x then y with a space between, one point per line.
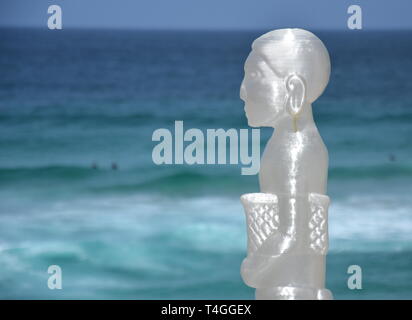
286 69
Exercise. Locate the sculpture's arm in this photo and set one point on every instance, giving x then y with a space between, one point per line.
276 238
262 219
318 223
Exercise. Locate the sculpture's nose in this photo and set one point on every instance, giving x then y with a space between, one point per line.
243 95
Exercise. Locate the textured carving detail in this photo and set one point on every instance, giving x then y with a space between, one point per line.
262 215
318 223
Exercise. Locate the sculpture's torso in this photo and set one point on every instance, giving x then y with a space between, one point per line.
294 168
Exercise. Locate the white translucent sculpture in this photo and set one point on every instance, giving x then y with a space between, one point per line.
286 71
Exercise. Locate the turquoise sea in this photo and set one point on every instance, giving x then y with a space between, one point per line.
74 102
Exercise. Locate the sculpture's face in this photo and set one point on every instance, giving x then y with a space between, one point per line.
262 91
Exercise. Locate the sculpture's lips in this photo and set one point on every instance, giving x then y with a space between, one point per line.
245 109
243 94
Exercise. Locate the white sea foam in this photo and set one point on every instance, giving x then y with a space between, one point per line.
150 232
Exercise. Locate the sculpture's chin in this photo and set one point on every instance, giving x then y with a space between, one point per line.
252 124
256 123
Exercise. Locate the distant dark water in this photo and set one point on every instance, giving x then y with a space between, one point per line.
75 98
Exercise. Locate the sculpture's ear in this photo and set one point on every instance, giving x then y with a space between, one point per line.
296 89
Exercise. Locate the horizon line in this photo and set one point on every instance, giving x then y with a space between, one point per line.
199 29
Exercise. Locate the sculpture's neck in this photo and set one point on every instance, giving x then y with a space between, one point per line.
303 121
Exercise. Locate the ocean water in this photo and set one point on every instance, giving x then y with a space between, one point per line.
74 99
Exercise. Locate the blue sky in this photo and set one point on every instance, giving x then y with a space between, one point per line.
208 14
